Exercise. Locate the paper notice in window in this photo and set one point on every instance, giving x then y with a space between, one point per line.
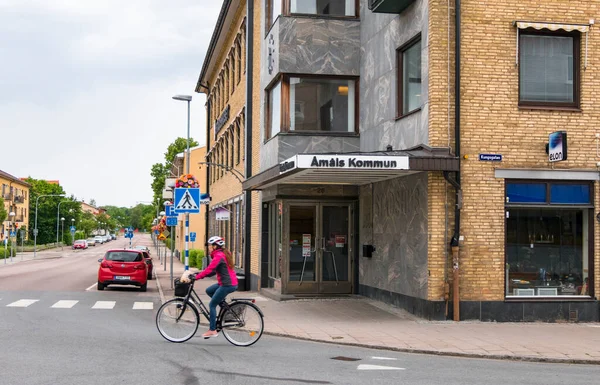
340 240
306 245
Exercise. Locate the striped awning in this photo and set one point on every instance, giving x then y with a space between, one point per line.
583 28
553 26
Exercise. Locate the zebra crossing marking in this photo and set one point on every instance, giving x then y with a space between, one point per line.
106 305
22 303
64 304
143 306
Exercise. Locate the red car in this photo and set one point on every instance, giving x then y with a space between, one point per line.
148 260
123 267
80 244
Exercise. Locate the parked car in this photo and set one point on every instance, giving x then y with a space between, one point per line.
80 244
91 242
143 248
148 260
99 239
123 267
113 237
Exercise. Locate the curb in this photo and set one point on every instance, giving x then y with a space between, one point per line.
503 357
160 291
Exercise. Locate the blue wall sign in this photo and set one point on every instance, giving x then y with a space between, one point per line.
490 157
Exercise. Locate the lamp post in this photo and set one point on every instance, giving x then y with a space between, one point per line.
35 229
188 99
10 226
62 237
57 218
73 232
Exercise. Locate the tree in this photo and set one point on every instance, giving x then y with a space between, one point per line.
161 171
3 212
178 146
92 202
47 209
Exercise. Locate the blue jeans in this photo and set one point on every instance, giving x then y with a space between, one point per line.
217 295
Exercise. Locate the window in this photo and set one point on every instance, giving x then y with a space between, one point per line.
318 104
273 12
324 7
409 77
274 110
238 52
233 71
232 144
549 69
548 239
238 142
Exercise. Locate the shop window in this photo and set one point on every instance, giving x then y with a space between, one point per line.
320 104
547 252
570 193
409 77
525 193
274 110
549 68
275 238
324 7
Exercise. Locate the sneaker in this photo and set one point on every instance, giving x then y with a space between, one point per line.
210 334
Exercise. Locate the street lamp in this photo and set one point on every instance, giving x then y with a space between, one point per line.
57 216
35 229
188 99
62 237
10 225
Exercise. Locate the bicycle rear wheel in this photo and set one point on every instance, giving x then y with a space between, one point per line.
175 323
242 324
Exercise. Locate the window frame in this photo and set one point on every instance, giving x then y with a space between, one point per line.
576 104
269 21
400 77
287 11
285 105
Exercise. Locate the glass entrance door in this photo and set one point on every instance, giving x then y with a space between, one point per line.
320 248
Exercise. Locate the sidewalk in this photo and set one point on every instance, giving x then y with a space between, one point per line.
363 322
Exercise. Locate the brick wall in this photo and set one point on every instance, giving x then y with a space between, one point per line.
491 122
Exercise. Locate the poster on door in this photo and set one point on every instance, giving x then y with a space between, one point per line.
306 245
340 240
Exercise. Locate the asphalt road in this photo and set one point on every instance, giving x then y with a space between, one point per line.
54 331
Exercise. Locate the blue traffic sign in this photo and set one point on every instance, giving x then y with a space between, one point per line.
13 234
156 232
171 221
192 237
187 200
169 212
72 229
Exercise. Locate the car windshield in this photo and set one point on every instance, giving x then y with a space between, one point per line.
79 242
123 256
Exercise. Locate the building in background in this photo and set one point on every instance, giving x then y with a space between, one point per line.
15 193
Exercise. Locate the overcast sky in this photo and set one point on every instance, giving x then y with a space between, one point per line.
86 87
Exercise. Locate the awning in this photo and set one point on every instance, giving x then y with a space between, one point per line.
356 169
583 28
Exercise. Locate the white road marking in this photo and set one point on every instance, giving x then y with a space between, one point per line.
91 287
22 303
384 358
104 305
143 306
377 367
64 304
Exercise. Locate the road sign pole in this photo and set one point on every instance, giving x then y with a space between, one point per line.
172 247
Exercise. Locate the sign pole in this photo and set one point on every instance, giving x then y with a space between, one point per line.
172 247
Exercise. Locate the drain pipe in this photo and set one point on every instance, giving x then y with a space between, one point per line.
248 139
454 242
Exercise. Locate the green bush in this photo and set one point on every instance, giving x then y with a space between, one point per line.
193 256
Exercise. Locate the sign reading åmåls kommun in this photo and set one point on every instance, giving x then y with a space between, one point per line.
557 146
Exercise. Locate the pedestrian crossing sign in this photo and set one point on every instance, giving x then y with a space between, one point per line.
187 201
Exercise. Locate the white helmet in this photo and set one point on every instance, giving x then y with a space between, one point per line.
216 240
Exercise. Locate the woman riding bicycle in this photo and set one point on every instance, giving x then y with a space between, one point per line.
223 266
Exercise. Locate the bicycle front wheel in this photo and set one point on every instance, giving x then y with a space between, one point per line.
242 324
175 322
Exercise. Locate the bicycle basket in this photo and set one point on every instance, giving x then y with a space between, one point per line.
181 288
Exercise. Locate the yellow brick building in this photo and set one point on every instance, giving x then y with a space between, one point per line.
15 193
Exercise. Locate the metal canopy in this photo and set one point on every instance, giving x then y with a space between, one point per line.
353 169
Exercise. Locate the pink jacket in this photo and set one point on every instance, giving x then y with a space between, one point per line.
225 275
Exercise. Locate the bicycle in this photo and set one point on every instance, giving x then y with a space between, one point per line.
237 319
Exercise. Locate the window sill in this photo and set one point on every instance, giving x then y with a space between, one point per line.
550 108
326 17
408 114
558 298
319 133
